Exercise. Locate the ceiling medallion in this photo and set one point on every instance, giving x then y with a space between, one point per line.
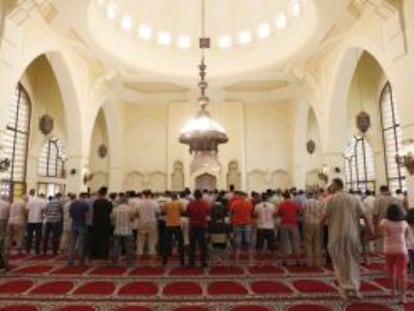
46 123
203 134
102 151
363 121
310 146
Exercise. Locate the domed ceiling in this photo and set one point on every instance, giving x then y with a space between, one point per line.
150 45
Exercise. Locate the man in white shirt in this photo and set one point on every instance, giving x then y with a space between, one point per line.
148 211
265 218
35 208
16 223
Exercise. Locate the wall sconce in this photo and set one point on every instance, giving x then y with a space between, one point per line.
406 158
87 177
4 165
323 175
407 161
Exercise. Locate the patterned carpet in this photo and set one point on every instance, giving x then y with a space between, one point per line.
37 283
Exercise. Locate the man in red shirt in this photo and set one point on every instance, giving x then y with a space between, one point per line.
198 211
289 231
241 217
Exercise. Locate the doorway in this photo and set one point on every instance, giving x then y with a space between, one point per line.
206 181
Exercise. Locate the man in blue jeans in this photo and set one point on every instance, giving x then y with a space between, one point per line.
78 211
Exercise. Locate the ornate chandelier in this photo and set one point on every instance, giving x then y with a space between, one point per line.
203 134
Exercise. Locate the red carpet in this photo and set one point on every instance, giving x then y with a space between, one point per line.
226 288
57 287
51 286
191 309
300 269
266 270
226 270
368 287
75 308
134 309
186 271
250 308
365 306
96 288
109 271
19 308
139 288
34 269
313 286
376 266
269 287
15 287
308 307
183 288
71 270
147 270
42 257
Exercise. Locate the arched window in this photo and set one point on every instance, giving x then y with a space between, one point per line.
391 133
359 165
52 159
14 144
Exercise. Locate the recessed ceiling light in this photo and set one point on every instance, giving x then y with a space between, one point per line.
281 20
263 30
127 22
224 42
144 32
112 11
245 37
164 38
183 41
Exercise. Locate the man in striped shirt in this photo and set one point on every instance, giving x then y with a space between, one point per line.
313 212
53 216
122 217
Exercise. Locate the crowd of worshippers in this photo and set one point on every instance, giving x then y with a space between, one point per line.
192 225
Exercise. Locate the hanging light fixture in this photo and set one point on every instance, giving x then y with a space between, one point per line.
203 134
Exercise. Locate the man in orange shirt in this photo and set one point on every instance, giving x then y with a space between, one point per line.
241 216
173 210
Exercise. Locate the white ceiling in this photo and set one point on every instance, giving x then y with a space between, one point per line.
276 61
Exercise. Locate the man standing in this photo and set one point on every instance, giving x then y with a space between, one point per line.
101 226
343 213
16 223
381 204
35 209
241 217
313 212
122 216
4 216
53 215
78 211
172 211
197 212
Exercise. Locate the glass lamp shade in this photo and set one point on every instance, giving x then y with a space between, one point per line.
202 133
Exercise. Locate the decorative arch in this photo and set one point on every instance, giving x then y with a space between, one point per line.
177 176
233 175
157 181
336 104
99 179
134 181
280 179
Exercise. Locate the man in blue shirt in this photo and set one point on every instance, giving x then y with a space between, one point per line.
78 212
